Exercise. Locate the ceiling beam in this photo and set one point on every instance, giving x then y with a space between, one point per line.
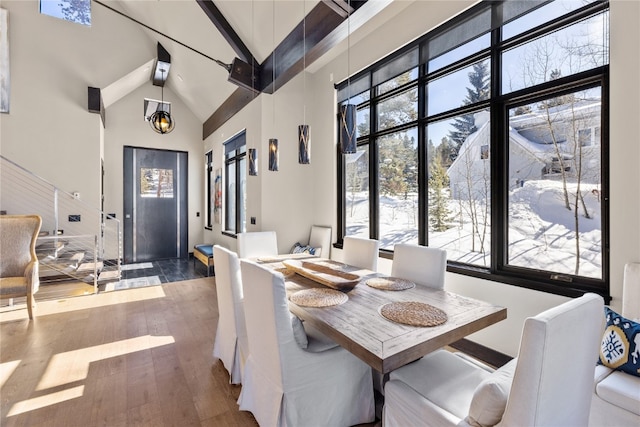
290 56
227 31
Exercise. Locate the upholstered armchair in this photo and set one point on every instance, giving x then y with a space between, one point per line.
550 383
18 260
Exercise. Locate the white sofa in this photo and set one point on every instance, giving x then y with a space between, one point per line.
616 399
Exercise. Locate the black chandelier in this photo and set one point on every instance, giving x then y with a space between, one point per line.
161 120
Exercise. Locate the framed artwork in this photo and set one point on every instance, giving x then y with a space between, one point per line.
217 201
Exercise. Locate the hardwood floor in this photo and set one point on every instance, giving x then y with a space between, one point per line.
137 357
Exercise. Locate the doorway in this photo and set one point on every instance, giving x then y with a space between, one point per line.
155 204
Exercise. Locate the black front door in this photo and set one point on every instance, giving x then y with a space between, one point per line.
155 204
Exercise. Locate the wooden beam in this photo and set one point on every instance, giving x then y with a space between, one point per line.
323 32
94 102
227 31
236 102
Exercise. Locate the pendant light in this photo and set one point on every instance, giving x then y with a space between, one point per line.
303 130
161 120
348 110
273 142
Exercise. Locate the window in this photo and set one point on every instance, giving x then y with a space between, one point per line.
235 168
210 190
78 11
489 139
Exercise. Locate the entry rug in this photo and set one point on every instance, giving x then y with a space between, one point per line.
138 282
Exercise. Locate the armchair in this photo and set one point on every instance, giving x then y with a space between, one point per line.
549 384
18 260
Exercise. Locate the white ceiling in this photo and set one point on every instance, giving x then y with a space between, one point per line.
199 82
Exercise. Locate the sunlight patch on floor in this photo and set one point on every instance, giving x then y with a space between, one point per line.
46 400
6 369
44 308
71 366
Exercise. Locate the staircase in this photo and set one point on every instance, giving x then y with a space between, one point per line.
76 242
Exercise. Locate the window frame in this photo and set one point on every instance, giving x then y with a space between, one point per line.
235 152
498 105
209 188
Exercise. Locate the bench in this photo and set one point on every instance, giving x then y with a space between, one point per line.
204 254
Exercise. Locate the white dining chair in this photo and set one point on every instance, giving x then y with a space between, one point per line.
320 237
230 344
285 385
361 252
422 265
550 383
255 244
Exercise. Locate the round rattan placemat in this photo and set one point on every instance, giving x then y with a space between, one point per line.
390 283
318 297
413 313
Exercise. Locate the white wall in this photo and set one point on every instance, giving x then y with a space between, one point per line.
49 130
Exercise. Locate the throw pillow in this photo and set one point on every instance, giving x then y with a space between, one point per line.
299 249
620 347
490 397
299 334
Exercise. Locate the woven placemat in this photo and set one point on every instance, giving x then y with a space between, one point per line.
413 313
390 283
318 297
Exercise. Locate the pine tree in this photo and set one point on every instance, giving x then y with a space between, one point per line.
479 90
439 213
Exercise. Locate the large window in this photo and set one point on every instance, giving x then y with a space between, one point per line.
235 167
210 190
488 138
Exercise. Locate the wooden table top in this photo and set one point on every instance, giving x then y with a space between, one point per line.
358 326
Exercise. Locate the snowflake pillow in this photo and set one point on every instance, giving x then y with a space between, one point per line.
620 347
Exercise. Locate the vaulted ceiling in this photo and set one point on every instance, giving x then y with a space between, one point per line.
204 37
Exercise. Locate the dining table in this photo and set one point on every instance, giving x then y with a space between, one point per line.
358 325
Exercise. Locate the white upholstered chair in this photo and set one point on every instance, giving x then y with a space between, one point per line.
285 385
420 264
257 243
18 260
320 237
550 383
230 345
361 252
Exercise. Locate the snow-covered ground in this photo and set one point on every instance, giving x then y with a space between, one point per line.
541 230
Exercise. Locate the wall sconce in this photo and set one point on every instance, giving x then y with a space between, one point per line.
273 154
303 145
253 161
348 128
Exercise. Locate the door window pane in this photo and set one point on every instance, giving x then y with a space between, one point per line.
357 193
398 188
554 186
156 183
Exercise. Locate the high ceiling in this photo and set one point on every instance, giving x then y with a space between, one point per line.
197 32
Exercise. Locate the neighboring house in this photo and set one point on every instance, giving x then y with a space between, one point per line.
533 155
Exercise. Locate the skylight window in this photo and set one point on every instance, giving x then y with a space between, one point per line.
78 11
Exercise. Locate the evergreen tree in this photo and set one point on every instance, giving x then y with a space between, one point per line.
439 213
77 11
479 90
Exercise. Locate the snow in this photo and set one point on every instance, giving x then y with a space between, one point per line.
541 231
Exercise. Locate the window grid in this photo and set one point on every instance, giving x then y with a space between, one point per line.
498 104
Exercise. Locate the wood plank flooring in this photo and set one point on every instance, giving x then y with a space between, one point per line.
138 357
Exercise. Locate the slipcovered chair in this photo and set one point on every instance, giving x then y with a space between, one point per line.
18 260
361 252
550 383
257 243
320 237
230 345
286 385
422 265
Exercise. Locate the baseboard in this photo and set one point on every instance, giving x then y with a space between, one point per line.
485 354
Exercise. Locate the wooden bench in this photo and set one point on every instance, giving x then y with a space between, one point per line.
204 254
